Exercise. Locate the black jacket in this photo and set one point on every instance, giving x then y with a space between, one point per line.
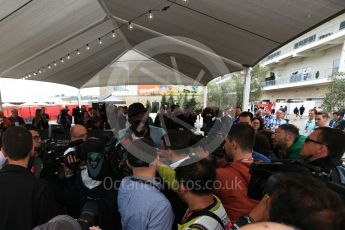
25 200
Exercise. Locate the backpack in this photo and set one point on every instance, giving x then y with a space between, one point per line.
209 214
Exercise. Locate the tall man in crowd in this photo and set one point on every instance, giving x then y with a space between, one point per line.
338 122
25 201
234 177
15 119
309 124
321 119
141 204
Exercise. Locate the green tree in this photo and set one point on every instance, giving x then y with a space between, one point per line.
155 106
192 102
180 99
334 97
148 105
185 101
230 92
171 100
164 100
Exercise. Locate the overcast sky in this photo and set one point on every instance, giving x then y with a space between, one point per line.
35 91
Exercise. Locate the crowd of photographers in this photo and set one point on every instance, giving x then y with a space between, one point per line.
163 174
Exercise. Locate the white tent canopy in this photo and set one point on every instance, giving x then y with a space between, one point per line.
37 33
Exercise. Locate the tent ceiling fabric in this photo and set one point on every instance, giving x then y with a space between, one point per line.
265 24
36 33
138 70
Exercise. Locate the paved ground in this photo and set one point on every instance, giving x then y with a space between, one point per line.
298 122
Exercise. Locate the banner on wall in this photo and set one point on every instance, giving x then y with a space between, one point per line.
175 90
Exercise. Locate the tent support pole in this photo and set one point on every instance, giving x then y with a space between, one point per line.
246 89
205 96
79 98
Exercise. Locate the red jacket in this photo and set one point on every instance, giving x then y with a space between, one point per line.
232 187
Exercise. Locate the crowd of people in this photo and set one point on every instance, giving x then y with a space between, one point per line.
185 169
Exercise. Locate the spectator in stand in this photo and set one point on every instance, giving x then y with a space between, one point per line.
309 125
25 200
141 204
64 119
268 119
257 123
76 113
227 119
38 121
246 117
321 119
301 111
121 118
239 147
86 120
260 113
4 122
278 121
15 119
285 109
296 111
45 118
238 111
288 140
338 122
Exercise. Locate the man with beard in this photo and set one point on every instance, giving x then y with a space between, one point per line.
288 141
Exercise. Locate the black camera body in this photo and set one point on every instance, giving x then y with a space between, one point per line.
52 156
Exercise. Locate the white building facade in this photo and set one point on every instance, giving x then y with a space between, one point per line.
299 71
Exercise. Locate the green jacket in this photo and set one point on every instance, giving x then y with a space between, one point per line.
294 151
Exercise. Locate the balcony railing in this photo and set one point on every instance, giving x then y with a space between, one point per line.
299 77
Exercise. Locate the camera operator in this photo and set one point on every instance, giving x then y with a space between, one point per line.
64 118
88 192
78 136
25 201
137 117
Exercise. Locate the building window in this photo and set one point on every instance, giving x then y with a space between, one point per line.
336 64
305 41
342 25
275 54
